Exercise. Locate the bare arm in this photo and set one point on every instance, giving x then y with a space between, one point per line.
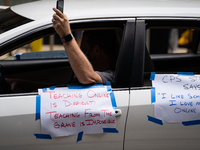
78 61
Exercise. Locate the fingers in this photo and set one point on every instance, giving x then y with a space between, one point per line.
58 12
58 16
53 21
61 23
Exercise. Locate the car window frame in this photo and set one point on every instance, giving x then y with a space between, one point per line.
171 22
139 55
123 77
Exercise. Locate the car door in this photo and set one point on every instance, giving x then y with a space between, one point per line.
143 130
18 110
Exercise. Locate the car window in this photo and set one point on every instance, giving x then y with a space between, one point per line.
173 46
47 47
25 70
171 40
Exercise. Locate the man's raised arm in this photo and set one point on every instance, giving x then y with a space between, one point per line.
78 61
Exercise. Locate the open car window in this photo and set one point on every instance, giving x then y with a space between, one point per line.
30 70
47 47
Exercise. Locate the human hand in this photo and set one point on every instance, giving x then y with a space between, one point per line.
61 23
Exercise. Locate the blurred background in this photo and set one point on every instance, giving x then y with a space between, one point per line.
13 2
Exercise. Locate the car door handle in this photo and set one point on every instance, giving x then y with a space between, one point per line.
118 112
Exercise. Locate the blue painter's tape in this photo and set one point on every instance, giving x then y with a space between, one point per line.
43 136
80 135
112 97
152 76
84 86
153 95
37 113
155 120
110 130
190 123
44 90
185 73
108 84
52 88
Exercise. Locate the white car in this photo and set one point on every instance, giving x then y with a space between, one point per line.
3 7
168 30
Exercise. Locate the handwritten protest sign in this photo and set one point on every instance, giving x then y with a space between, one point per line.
69 111
177 97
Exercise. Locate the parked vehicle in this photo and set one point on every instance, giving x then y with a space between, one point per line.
150 32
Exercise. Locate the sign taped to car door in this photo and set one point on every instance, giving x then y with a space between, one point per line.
74 109
176 97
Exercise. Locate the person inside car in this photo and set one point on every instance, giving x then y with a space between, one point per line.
93 62
101 47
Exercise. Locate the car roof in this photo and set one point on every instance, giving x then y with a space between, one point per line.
41 11
94 9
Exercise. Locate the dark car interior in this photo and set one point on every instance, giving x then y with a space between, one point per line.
28 75
184 57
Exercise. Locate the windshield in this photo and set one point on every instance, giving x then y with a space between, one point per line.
10 20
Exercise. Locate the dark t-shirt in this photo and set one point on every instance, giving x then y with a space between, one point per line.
107 76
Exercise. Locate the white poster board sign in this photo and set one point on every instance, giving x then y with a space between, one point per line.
69 111
177 97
